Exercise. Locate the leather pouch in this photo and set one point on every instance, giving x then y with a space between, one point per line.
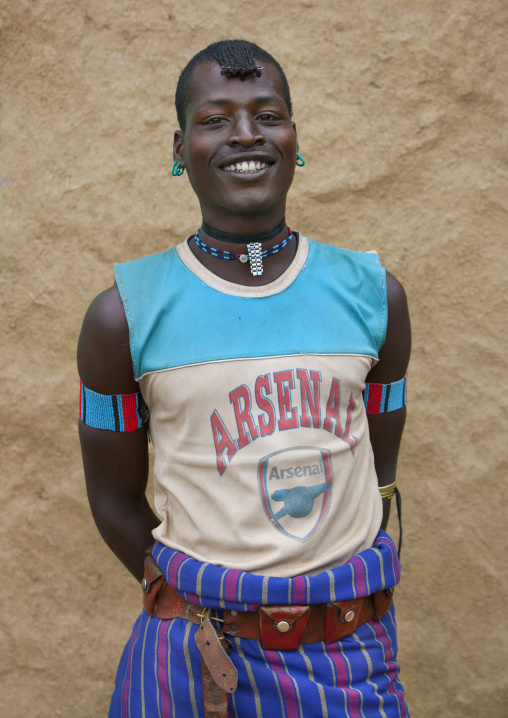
341 619
292 618
153 582
381 602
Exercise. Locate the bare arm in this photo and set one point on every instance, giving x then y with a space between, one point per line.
386 429
116 464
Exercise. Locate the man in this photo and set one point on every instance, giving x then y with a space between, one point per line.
268 589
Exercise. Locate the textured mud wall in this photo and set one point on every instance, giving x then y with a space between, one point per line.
402 110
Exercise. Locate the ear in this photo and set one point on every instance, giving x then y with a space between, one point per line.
178 149
296 135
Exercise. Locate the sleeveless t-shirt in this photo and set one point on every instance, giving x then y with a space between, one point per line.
263 461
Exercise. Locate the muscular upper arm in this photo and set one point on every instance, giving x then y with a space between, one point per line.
386 429
395 352
116 464
104 358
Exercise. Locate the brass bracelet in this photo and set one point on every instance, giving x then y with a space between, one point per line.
388 491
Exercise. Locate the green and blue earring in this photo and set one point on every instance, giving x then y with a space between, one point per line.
177 171
299 160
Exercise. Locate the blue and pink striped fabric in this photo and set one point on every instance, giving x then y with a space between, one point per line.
160 671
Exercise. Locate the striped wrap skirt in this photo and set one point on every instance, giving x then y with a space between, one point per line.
159 675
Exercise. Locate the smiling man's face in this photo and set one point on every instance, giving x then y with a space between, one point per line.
239 146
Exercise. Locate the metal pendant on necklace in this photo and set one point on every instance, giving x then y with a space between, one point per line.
255 258
255 254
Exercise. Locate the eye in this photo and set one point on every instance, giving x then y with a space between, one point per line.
267 117
214 120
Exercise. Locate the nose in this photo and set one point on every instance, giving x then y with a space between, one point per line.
246 131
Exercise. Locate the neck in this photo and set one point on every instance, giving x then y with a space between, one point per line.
234 238
247 221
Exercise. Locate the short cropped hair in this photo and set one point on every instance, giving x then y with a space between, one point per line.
236 58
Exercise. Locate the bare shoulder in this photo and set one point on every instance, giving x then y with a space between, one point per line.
106 313
396 350
104 358
396 296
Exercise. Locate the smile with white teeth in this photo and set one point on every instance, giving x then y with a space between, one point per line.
245 167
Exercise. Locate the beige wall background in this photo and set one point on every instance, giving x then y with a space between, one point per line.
402 110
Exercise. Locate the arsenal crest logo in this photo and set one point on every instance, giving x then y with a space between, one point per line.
295 486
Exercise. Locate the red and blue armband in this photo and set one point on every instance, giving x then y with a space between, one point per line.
118 412
381 398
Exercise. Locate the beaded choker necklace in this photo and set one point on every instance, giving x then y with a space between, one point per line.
255 253
243 238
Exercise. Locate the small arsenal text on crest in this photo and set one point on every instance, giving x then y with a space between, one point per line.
295 486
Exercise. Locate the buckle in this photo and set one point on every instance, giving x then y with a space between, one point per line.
207 612
282 627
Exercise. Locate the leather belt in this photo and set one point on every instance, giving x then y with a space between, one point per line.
280 628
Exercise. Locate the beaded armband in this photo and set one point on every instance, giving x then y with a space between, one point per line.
118 412
380 398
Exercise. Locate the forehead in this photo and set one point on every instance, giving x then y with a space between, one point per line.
208 84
